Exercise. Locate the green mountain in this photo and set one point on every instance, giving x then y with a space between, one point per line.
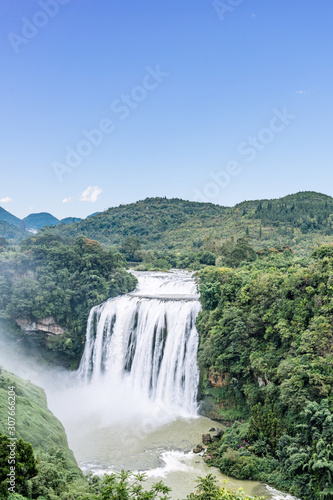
299 220
307 211
8 217
32 221
70 220
37 221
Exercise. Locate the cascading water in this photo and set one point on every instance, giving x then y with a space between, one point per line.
148 341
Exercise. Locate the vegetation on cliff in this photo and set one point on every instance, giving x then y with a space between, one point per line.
267 348
35 423
49 276
42 455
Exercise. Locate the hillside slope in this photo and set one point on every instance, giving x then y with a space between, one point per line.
10 232
13 228
8 217
299 220
35 423
37 221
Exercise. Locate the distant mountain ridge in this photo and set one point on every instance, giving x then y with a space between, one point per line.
299 220
9 218
32 222
38 220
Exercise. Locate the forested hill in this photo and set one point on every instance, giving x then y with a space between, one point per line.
307 211
298 220
156 222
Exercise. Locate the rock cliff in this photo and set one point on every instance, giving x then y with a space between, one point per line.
45 325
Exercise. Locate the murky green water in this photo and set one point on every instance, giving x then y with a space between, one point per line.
164 453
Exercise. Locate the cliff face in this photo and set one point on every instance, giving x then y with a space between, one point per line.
45 325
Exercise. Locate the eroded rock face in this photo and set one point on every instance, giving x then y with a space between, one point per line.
46 325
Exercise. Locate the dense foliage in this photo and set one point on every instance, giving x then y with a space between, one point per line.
266 355
11 232
172 225
308 213
208 489
22 462
51 277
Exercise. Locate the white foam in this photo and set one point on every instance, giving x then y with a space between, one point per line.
278 495
175 461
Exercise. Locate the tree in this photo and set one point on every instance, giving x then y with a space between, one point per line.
129 247
208 489
265 422
127 486
234 252
307 458
19 460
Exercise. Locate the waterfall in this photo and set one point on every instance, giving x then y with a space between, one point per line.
148 339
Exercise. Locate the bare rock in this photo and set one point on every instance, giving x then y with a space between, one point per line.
45 325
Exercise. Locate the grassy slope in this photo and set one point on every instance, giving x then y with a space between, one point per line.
35 423
178 225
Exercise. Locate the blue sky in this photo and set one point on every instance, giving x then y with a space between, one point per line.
219 101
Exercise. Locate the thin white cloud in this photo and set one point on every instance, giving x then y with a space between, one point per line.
91 194
67 200
300 92
5 200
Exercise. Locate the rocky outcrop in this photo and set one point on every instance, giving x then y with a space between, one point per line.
217 378
45 325
207 439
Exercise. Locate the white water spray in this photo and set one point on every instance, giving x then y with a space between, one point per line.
147 340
